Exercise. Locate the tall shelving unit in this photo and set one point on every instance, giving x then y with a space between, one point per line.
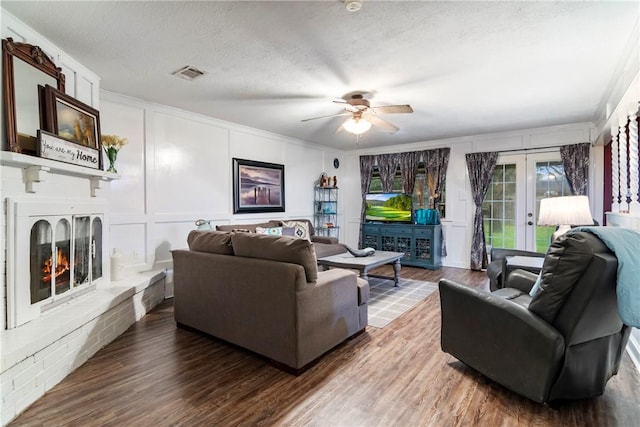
325 212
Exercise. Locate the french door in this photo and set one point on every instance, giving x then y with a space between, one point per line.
512 202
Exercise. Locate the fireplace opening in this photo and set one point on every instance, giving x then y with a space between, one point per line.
64 255
55 253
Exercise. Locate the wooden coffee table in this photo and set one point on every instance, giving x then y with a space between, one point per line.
364 264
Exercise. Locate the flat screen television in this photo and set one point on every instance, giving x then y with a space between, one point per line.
388 207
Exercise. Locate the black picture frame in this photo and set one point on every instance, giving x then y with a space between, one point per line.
257 187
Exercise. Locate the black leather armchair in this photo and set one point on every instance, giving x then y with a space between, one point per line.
497 268
564 343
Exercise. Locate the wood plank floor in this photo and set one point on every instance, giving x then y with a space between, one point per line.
158 375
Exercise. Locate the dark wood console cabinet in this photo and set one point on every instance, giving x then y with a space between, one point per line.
420 243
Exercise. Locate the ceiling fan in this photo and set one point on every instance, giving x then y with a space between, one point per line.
363 115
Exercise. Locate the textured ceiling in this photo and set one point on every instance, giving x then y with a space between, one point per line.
466 67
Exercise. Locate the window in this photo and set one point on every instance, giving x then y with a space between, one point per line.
420 187
376 182
499 208
512 202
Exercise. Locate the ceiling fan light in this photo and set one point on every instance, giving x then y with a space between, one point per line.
356 126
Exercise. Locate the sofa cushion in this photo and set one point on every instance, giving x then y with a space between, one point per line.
284 249
215 242
300 228
566 260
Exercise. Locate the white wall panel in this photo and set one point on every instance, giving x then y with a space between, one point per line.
130 240
169 236
560 135
192 167
458 243
494 143
303 166
250 146
351 198
84 90
128 194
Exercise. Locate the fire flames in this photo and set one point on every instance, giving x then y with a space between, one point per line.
62 265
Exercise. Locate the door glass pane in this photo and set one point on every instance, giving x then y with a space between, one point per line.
62 257
550 182
81 251
40 261
96 260
499 209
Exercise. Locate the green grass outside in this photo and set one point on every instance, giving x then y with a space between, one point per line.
383 213
506 238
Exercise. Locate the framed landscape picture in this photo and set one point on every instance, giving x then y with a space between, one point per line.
257 187
71 119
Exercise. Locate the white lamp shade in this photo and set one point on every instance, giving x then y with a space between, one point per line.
566 210
356 125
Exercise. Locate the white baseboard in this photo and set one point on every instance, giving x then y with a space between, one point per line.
633 348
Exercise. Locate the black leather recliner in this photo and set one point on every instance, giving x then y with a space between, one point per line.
564 343
497 268
498 265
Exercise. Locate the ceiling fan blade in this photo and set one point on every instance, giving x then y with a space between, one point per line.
326 117
381 123
348 106
391 109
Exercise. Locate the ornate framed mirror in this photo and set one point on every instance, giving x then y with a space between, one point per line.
25 66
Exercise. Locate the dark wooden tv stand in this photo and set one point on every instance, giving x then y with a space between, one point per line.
420 243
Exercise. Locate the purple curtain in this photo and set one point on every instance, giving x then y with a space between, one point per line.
387 166
409 168
480 166
575 159
366 167
436 163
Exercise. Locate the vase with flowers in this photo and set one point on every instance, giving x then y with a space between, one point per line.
111 144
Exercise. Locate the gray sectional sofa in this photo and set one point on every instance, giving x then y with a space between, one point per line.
265 293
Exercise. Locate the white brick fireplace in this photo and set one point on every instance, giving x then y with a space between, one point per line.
59 305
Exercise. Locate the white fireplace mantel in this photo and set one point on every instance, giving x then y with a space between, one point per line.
37 169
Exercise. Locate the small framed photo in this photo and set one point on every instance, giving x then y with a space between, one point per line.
71 119
257 187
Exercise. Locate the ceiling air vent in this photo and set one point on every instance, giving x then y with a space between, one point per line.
188 73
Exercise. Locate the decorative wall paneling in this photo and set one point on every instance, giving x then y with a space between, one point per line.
177 168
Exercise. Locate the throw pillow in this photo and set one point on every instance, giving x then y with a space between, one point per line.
300 229
289 231
272 231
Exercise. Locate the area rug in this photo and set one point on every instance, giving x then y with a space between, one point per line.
387 302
